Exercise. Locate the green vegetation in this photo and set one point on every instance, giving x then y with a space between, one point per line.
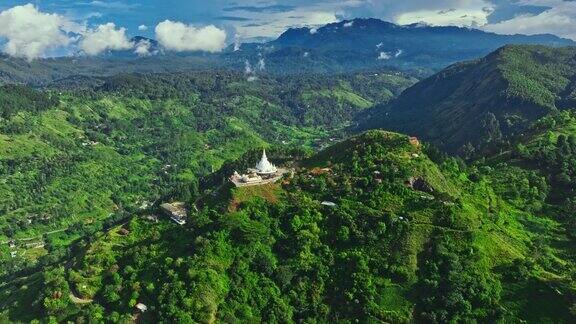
377 227
471 105
14 99
74 162
407 239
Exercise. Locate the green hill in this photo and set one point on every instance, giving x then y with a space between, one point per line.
378 227
399 238
79 157
487 100
548 149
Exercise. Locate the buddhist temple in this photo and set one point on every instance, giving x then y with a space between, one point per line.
263 172
264 166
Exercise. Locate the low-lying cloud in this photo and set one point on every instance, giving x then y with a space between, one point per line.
388 55
177 36
384 56
248 67
261 64
252 71
144 48
104 38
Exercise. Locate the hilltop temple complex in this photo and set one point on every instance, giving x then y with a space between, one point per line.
264 172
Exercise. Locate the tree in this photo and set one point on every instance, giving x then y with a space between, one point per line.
56 292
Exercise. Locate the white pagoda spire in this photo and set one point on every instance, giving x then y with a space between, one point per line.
264 166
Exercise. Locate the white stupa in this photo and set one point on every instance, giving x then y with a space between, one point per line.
264 166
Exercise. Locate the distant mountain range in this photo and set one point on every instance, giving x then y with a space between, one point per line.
490 99
359 44
363 42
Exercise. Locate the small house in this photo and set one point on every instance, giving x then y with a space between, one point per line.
415 141
176 211
141 307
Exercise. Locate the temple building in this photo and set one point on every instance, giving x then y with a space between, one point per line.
264 172
264 167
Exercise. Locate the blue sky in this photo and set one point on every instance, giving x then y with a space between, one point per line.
268 18
251 19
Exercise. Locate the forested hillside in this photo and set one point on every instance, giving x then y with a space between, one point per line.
405 239
80 157
473 220
548 150
42 72
471 104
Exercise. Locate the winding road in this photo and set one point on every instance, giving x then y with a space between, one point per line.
35 237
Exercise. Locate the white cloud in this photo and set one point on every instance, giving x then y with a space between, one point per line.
384 56
177 36
142 48
389 55
116 5
261 64
248 67
428 10
103 38
273 24
90 15
560 20
31 34
457 17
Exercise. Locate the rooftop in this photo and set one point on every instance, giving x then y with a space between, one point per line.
177 211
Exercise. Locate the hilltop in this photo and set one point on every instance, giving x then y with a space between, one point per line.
404 239
488 100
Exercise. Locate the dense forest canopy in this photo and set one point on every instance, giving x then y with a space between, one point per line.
455 249
370 226
102 150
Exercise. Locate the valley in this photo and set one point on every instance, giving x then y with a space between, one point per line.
103 153
421 184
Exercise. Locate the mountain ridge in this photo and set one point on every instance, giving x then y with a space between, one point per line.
406 45
489 99
351 45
